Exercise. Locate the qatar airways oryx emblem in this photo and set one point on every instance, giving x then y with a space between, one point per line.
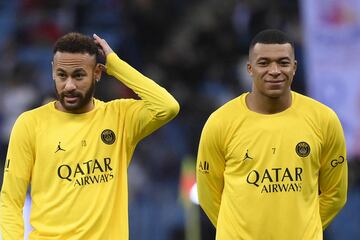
302 149
108 136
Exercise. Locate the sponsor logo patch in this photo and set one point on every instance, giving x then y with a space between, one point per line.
338 161
204 167
276 179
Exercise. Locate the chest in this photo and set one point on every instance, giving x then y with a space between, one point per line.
59 139
276 143
79 152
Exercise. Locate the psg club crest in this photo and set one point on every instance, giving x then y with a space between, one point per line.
108 136
302 149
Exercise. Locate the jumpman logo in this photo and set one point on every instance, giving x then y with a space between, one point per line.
59 148
247 155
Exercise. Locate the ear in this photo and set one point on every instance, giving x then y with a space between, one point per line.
98 71
295 67
249 68
53 70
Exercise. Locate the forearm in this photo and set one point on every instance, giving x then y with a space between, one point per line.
333 188
210 169
210 203
11 207
333 174
330 206
156 98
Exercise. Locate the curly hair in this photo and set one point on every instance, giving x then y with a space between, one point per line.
76 43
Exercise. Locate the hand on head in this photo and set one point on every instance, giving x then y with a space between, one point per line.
105 49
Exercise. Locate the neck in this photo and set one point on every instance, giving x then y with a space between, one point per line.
266 105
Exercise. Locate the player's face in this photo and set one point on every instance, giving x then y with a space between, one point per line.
75 75
272 68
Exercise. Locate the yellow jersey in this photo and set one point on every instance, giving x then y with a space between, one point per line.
76 164
272 177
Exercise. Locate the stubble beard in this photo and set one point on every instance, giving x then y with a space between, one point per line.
83 100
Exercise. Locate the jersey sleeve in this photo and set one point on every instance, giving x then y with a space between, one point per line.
333 175
155 107
17 175
210 170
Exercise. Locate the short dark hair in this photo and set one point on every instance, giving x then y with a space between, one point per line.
271 36
76 43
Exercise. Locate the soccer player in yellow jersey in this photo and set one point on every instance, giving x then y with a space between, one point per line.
75 152
272 163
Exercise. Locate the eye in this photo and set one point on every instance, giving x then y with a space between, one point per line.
262 63
61 75
79 76
284 63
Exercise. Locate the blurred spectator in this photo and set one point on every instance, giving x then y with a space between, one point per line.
20 95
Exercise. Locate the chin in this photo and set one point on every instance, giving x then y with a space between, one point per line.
276 93
74 107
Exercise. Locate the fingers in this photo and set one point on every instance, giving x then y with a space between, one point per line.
100 50
98 40
105 48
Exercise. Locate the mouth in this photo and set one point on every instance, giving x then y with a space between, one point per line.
275 84
70 98
274 81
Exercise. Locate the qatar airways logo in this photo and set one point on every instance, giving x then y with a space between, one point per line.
276 179
86 173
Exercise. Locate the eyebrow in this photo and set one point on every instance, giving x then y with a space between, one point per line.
278 59
76 70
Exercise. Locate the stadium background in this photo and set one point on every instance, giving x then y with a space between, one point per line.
197 49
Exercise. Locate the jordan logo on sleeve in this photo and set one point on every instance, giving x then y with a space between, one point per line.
59 148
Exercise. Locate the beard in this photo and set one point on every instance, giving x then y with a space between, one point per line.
82 99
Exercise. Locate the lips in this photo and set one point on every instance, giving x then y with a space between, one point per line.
275 84
70 98
274 81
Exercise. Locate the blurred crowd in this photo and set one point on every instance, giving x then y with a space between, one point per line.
196 49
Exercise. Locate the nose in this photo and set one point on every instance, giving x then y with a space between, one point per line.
69 85
274 69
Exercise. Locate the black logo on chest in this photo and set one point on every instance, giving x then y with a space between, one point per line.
247 156
59 148
302 149
108 136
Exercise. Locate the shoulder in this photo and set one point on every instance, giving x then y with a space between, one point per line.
225 116
231 109
310 107
29 120
41 111
310 103
117 103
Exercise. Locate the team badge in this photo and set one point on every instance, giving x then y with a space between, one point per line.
302 149
108 136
